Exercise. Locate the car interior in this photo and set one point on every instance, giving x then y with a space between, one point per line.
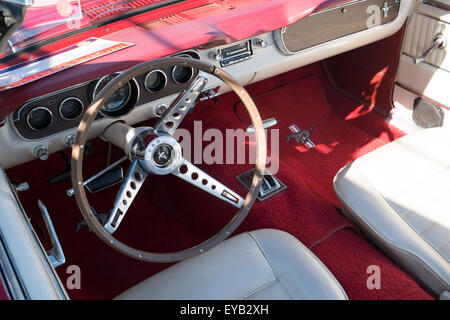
344 108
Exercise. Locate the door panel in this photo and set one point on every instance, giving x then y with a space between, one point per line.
430 79
419 36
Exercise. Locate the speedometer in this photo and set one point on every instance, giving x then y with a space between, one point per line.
120 102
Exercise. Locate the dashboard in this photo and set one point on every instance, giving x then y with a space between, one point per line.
49 122
62 110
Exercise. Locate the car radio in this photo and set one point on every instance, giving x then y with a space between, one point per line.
234 54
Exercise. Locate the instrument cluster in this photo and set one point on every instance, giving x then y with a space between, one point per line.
50 114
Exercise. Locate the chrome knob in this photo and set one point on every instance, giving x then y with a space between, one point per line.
215 56
41 152
23 187
160 109
70 140
261 43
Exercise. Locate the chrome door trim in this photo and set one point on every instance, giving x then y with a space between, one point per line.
14 281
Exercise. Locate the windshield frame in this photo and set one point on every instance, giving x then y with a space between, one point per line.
123 16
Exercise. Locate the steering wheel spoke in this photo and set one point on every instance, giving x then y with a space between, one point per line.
171 119
195 176
134 179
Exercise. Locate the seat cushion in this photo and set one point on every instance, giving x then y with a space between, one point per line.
400 195
264 264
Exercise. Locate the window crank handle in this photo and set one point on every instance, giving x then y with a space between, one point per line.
439 42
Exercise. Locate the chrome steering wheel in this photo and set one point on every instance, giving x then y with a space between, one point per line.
155 151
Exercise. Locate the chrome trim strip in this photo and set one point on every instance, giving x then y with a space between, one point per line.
10 279
22 2
438 4
343 5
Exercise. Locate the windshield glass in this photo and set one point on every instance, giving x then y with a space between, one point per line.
46 19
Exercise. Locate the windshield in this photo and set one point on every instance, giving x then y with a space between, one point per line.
46 19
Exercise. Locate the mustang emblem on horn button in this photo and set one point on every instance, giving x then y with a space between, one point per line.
162 155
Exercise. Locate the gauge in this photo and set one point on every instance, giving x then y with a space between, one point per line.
119 99
182 74
155 81
39 118
71 108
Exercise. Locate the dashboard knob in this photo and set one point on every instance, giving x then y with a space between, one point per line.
23 186
215 56
261 43
160 109
41 152
70 140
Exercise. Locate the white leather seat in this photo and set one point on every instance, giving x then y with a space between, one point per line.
400 196
264 264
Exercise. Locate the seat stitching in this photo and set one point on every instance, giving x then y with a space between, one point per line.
271 265
446 244
259 289
412 225
428 228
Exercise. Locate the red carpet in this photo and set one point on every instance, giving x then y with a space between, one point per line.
362 117
337 142
348 256
169 214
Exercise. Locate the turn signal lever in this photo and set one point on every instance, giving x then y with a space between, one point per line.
439 42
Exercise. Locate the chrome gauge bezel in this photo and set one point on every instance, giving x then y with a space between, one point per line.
39 108
149 74
71 98
191 69
127 106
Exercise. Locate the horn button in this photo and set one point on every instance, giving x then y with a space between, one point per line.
162 155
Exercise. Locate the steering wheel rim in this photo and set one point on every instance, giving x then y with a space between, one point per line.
82 136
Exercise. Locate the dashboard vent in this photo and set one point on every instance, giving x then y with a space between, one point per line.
101 9
175 18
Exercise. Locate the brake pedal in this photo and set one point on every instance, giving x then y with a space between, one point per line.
270 184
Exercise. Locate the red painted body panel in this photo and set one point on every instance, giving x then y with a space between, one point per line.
218 22
3 295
